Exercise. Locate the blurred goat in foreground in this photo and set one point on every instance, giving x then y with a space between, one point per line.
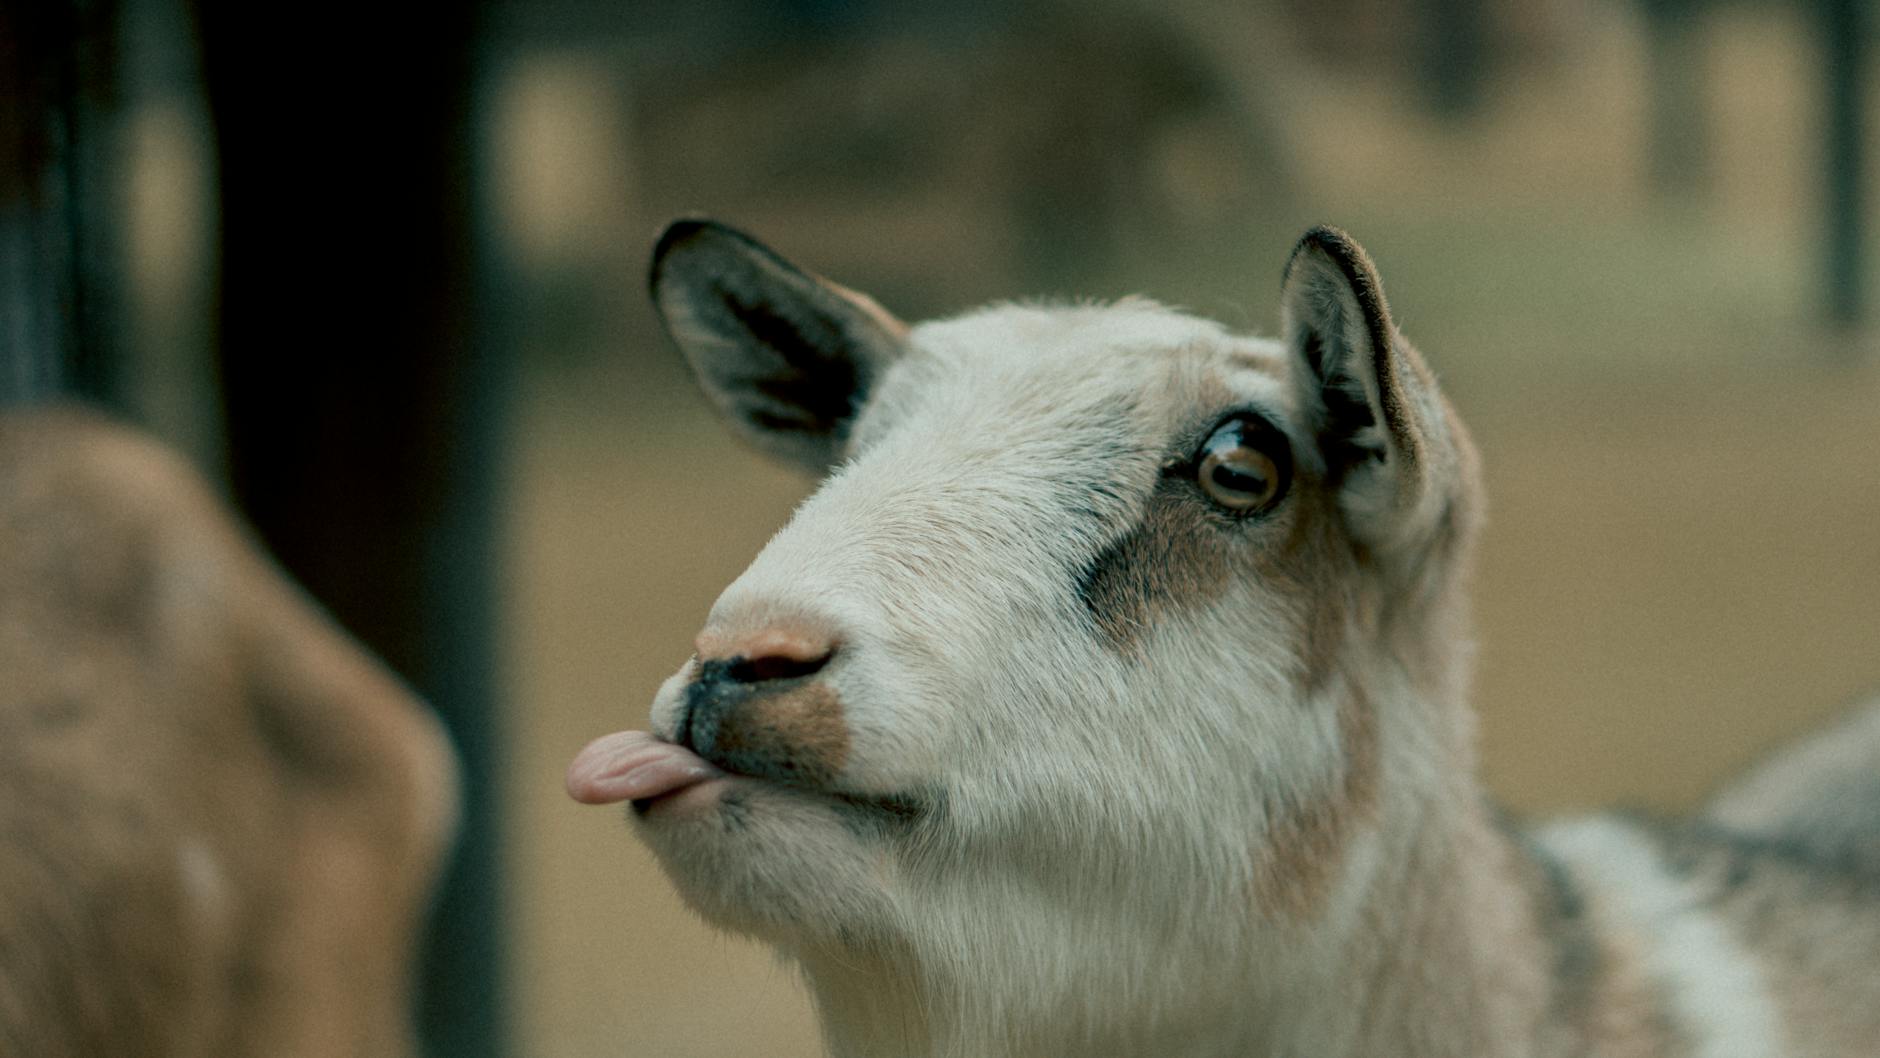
220 819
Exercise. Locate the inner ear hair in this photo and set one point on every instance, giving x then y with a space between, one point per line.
1384 429
1347 428
786 355
1339 322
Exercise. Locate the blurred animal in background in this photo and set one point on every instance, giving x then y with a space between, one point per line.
220 820
1110 698
1820 796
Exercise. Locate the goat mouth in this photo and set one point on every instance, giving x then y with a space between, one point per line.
637 767
642 769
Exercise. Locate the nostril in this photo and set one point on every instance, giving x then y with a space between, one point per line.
776 667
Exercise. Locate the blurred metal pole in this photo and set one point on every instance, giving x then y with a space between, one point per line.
363 401
1845 49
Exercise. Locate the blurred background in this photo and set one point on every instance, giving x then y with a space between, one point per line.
384 281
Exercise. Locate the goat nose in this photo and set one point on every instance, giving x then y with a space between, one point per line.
752 708
769 654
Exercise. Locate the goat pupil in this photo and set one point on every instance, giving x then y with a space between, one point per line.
1228 477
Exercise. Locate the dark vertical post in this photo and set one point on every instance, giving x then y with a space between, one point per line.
36 271
95 179
1679 151
362 403
1453 58
57 92
1845 49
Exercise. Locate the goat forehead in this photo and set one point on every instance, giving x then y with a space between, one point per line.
1128 373
1035 430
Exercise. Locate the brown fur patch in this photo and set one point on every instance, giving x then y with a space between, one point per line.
1276 365
1625 1012
1306 842
1318 566
1178 560
800 732
1179 557
1172 561
1324 637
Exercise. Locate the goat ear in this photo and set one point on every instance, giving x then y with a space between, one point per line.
1382 426
787 356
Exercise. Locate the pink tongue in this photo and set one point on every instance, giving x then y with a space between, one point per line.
632 765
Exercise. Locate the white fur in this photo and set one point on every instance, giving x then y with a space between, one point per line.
942 552
1717 990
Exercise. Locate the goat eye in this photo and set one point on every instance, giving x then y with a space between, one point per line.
1244 466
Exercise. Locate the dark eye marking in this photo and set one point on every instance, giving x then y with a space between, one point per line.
1179 555
1173 558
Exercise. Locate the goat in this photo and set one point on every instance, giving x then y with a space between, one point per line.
1109 698
220 819
1821 794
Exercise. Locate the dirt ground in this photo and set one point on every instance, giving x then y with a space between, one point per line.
1676 575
